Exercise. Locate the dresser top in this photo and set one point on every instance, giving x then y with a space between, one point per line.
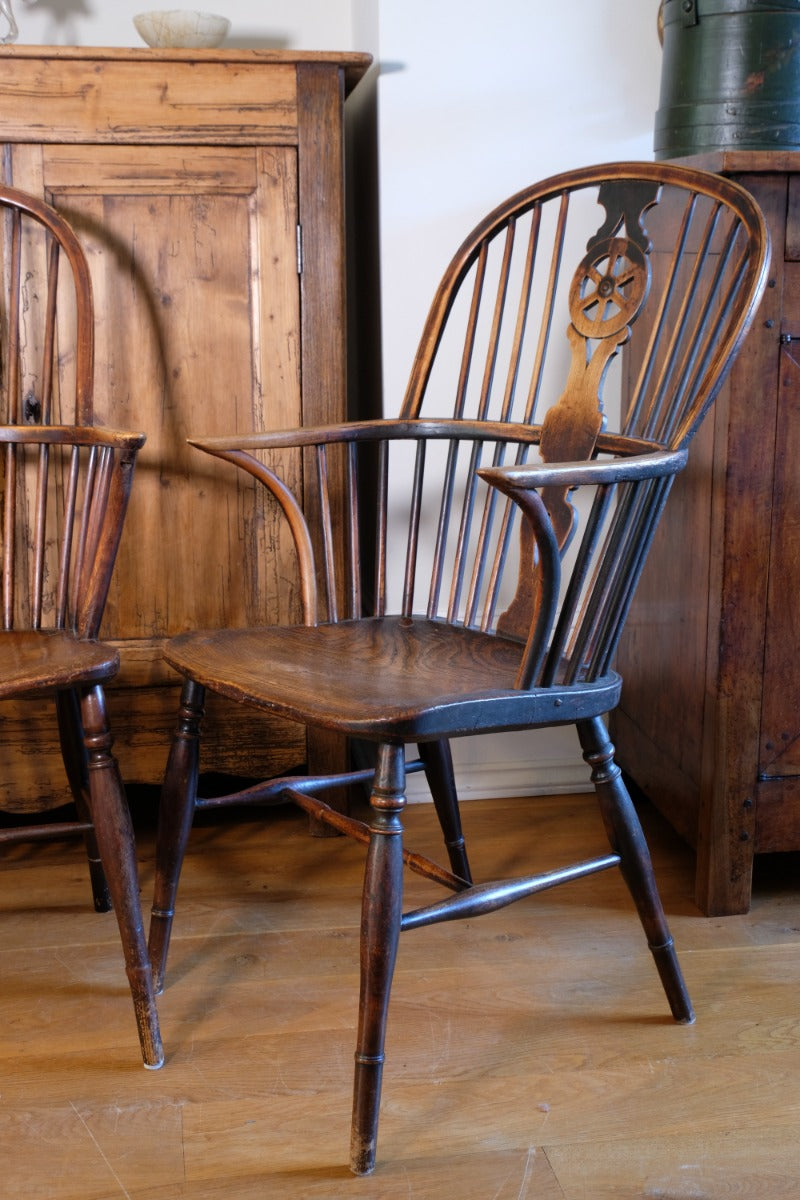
354 63
744 162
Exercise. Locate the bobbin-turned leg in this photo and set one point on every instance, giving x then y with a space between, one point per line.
628 840
115 840
175 816
380 931
73 753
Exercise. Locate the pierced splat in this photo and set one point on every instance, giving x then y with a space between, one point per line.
608 290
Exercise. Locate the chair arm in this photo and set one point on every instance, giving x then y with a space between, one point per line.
528 477
70 435
370 431
240 450
237 452
531 488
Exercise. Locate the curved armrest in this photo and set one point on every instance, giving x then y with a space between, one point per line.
657 464
241 450
370 431
532 488
70 435
233 450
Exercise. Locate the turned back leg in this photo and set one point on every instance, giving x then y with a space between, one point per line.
175 816
628 840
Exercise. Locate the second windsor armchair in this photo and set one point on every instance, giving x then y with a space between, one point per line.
64 488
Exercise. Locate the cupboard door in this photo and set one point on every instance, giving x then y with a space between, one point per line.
779 752
193 254
780 716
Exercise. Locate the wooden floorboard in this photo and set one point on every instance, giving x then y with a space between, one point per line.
530 1055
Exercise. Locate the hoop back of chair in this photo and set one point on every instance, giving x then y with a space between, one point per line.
662 259
46 316
62 490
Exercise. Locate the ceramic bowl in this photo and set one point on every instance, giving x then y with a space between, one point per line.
181 27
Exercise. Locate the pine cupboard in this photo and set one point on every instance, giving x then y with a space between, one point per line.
207 188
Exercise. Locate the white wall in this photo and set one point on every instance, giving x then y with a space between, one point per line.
475 100
306 24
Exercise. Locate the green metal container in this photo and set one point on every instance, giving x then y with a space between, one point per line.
730 77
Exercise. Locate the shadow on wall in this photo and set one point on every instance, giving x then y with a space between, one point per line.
257 41
63 19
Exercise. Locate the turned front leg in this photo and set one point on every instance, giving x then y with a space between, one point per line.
73 753
380 932
115 840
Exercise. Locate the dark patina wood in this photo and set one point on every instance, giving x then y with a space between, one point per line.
716 744
482 581
65 489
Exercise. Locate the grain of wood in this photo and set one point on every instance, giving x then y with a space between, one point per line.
530 1053
187 200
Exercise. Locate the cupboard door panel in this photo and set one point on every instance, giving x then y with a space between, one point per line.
194 267
780 715
198 317
200 182
181 367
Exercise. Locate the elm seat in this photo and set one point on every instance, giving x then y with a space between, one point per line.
34 660
65 481
468 567
434 680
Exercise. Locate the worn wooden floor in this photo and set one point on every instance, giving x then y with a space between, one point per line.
530 1053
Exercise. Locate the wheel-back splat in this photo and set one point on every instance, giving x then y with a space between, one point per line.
607 293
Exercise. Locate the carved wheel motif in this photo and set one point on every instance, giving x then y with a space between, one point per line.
608 288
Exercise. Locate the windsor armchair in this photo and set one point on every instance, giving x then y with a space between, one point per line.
65 484
481 582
